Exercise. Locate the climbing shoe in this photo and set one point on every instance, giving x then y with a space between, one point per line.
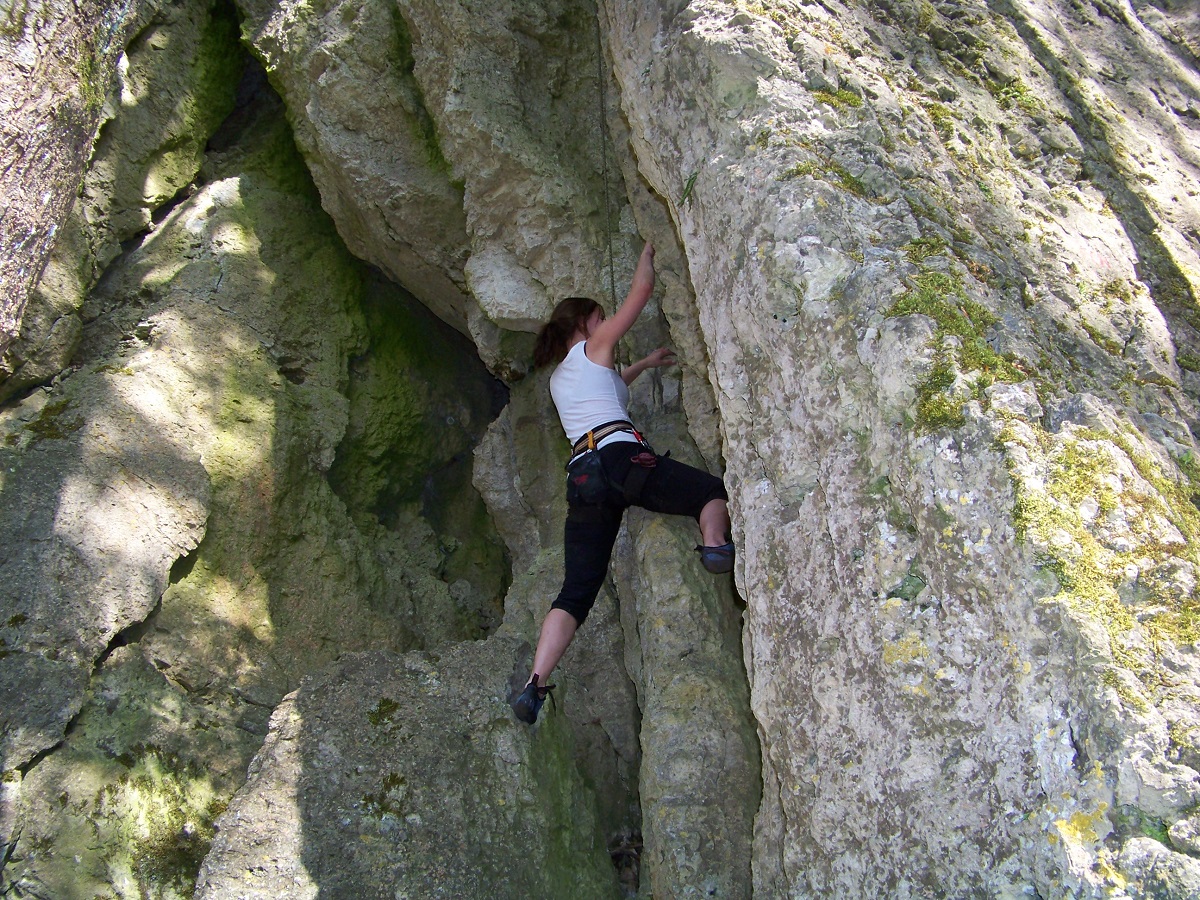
529 702
717 560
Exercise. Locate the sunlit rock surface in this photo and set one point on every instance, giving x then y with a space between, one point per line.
345 71
57 62
177 555
945 267
175 84
931 270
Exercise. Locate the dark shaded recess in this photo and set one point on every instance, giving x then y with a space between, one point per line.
254 99
182 567
410 344
625 851
420 401
132 634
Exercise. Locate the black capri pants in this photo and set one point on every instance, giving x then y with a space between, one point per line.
671 487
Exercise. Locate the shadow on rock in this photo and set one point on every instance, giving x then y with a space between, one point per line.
407 776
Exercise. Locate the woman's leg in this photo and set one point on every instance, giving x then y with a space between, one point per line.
676 488
714 523
588 538
558 629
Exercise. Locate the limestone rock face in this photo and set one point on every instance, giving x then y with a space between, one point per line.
700 786
175 84
56 67
176 556
346 73
931 270
513 90
949 647
460 148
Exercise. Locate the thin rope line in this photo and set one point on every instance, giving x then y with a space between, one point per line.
603 93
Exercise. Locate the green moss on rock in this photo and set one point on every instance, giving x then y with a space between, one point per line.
53 424
940 296
1094 506
841 99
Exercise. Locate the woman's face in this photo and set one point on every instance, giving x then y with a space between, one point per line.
596 317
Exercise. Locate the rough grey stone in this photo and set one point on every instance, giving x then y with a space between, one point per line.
1158 872
1012 442
346 72
174 556
88 545
851 497
57 65
175 84
700 777
408 776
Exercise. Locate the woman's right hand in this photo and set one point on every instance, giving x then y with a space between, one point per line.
643 276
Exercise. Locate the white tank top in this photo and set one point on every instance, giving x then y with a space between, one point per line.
587 395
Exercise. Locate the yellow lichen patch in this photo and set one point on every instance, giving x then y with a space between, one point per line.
960 339
1020 666
907 649
164 809
1108 873
1080 829
1129 696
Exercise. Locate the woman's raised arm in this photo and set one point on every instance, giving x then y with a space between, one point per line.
602 342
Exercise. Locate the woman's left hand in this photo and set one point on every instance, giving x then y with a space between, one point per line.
660 357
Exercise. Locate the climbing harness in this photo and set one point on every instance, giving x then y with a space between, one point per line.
587 480
596 435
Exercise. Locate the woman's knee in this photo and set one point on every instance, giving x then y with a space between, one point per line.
577 607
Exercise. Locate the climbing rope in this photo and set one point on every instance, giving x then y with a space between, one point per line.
603 95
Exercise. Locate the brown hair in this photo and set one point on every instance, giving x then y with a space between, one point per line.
568 316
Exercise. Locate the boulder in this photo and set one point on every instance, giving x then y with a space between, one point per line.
408 776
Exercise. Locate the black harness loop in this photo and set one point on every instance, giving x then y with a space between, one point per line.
635 481
586 474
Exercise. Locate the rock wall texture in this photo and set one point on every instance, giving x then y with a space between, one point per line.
932 273
356 793
178 547
56 68
910 230
150 145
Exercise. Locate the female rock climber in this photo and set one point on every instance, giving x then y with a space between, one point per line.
592 399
